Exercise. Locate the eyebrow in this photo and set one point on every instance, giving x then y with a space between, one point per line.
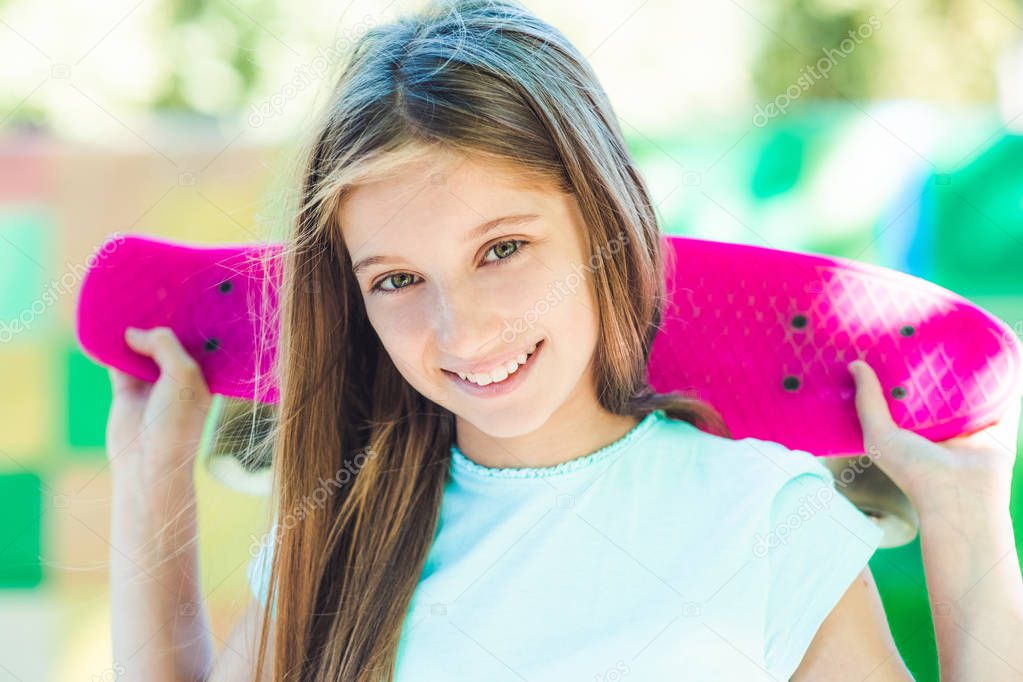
472 235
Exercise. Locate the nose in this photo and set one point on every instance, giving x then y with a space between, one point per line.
466 324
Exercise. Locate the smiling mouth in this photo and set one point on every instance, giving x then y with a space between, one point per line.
499 375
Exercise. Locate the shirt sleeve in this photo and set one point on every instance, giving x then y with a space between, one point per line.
258 571
818 544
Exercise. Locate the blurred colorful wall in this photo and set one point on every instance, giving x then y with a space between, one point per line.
58 202
181 119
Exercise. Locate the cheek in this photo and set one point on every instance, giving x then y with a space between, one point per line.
558 297
584 319
401 328
526 298
576 301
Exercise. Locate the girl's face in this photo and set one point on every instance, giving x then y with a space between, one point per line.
463 269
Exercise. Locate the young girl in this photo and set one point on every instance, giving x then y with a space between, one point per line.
471 290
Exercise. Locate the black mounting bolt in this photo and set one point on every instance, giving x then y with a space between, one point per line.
907 330
211 344
790 383
225 286
799 321
898 393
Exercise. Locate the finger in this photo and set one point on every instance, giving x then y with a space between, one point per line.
1006 429
1004 433
124 383
871 406
162 345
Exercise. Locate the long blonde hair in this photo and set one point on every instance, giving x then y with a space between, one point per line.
478 77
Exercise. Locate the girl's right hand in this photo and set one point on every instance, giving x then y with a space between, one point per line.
154 429
957 475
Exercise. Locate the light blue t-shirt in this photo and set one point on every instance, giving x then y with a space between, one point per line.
670 553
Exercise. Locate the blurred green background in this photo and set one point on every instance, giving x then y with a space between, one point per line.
887 132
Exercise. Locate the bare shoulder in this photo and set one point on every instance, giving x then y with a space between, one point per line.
236 661
854 642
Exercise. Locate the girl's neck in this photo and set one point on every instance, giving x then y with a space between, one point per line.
574 430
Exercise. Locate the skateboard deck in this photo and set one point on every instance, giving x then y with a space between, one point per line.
764 335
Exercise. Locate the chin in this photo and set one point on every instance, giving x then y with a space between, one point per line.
507 422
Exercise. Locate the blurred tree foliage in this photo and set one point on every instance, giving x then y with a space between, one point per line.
943 50
213 34
216 57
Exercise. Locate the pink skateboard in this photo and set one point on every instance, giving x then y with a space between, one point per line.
761 334
218 300
764 335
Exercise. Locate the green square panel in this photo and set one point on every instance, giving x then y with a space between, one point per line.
24 243
88 403
20 539
899 574
977 230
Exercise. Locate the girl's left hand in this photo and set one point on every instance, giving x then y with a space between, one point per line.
954 475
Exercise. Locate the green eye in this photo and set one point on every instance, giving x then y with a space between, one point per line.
512 246
505 251
391 278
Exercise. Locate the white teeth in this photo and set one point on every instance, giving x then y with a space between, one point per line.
499 373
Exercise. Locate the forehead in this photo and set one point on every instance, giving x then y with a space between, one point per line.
442 193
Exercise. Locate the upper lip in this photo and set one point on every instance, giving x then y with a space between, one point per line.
485 366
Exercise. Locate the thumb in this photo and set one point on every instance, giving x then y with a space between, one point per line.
123 383
871 406
126 406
